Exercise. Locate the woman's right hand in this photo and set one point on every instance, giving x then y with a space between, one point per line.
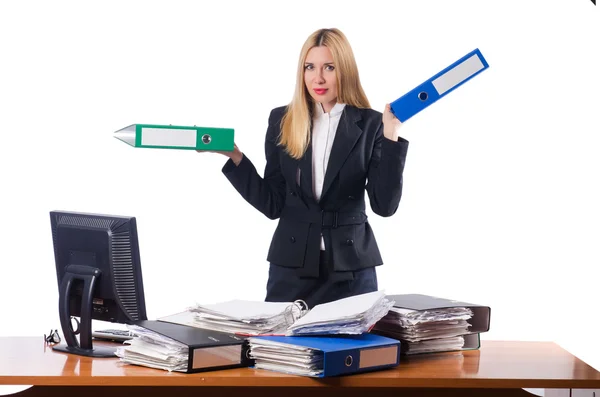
235 155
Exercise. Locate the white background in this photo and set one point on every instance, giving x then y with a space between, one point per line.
501 196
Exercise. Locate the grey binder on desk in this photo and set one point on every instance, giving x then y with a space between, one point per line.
480 322
208 350
428 324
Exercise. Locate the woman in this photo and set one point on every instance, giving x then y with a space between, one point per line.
323 151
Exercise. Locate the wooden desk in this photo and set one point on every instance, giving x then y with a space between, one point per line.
497 369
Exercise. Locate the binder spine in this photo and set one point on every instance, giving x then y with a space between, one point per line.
361 360
178 137
190 364
247 360
439 85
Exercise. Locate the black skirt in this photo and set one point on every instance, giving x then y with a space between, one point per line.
284 284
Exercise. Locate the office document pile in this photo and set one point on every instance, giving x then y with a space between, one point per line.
176 347
248 317
339 326
153 350
286 357
360 333
336 327
427 331
351 316
321 356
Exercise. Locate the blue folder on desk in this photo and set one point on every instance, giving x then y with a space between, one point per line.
324 356
439 85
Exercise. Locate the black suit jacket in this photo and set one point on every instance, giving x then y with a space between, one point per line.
361 159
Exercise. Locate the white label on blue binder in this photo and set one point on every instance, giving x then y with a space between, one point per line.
168 137
379 356
458 74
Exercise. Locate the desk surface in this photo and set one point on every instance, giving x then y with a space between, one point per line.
27 361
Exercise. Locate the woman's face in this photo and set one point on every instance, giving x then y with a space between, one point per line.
320 76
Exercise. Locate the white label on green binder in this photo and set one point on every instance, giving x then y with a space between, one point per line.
457 74
175 137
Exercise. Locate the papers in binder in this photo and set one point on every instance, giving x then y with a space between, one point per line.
175 347
153 350
414 326
324 356
241 316
352 315
427 323
435 345
286 357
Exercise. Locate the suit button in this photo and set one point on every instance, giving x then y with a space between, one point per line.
293 239
293 193
350 197
349 242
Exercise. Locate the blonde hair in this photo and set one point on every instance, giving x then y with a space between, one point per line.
297 120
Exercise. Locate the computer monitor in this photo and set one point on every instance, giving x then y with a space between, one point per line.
99 276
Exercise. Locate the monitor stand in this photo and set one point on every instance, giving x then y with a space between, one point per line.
89 276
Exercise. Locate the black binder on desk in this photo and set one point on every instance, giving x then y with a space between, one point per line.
479 322
208 350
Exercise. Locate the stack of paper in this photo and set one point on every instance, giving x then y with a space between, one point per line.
175 347
426 330
286 357
435 345
153 350
353 315
247 317
414 325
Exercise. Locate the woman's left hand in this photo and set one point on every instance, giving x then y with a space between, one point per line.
391 124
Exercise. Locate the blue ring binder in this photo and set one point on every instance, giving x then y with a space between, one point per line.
439 85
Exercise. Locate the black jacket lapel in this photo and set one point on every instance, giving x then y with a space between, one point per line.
346 136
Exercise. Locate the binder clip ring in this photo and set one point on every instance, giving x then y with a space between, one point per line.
348 361
300 304
206 139
294 311
302 308
423 96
